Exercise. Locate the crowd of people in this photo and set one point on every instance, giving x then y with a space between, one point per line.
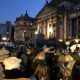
38 64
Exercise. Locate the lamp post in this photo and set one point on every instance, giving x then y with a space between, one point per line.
4 39
7 37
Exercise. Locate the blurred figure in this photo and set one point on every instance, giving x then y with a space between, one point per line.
4 53
39 56
1 72
76 71
12 68
42 71
66 63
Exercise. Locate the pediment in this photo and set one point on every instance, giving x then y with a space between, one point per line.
45 10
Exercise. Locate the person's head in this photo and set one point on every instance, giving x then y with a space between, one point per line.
45 50
42 71
40 56
29 51
1 72
12 63
4 53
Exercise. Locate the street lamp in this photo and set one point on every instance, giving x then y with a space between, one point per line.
7 37
36 32
67 44
76 40
4 39
60 40
60 43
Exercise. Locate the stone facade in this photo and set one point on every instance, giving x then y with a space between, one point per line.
59 19
24 29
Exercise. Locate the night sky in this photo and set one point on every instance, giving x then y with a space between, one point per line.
10 9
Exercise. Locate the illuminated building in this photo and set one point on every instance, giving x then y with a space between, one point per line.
7 30
59 19
24 29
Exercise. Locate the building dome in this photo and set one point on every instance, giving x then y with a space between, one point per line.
25 17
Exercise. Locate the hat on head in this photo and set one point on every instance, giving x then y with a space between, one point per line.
4 51
11 63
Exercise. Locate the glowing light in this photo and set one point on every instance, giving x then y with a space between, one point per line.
36 32
60 40
4 38
31 24
67 43
76 40
50 30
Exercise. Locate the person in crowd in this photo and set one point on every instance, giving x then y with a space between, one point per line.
12 68
76 71
4 53
66 63
39 56
1 72
24 64
52 61
31 54
41 71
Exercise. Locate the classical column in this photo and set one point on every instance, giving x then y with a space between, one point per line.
70 28
61 32
77 27
45 30
42 27
38 26
65 25
54 27
57 28
53 31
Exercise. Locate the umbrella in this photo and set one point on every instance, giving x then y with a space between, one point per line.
65 58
